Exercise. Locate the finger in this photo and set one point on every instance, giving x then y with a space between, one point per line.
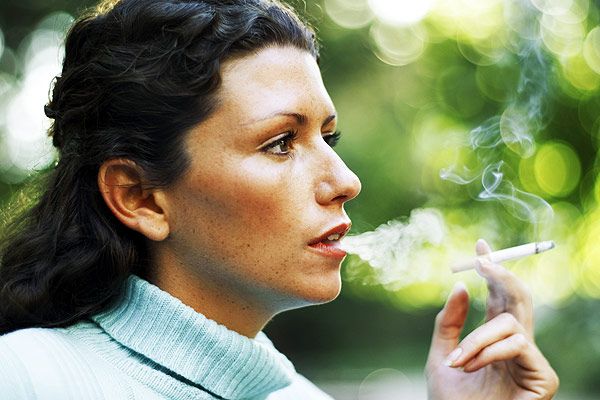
516 346
506 294
533 370
449 324
482 248
499 328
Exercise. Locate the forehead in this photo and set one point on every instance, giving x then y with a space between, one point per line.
272 79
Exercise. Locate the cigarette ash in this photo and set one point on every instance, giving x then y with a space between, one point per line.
396 250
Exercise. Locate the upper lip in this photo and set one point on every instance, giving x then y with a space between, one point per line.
340 229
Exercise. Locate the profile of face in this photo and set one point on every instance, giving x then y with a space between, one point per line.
264 186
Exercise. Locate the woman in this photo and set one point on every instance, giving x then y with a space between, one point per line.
197 195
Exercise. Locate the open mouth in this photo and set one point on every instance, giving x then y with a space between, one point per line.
332 238
328 243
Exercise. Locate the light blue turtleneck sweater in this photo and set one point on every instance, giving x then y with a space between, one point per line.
150 346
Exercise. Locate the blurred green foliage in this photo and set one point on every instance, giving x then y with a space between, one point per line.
420 87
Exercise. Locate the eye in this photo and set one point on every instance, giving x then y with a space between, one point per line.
281 146
333 138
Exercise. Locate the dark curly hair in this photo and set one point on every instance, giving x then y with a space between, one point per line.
137 75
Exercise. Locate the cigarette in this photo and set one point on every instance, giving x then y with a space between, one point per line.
511 253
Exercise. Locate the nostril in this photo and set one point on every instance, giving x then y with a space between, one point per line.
339 198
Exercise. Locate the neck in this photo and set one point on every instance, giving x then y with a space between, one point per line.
218 301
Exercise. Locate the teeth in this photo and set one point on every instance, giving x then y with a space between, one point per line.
335 236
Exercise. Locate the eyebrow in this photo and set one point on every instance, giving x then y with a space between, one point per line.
300 118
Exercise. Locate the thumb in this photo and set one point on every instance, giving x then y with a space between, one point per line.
449 324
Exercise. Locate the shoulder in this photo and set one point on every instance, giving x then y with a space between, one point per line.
36 345
45 363
26 345
25 355
30 336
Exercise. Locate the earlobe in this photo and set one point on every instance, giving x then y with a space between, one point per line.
153 230
120 182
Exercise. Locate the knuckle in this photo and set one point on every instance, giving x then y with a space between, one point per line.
469 344
508 319
520 341
553 382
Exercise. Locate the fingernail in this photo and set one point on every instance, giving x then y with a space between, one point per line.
452 357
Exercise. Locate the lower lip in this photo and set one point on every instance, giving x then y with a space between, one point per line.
328 250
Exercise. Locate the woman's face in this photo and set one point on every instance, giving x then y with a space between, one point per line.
264 185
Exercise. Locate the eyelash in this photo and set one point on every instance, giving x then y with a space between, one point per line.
331 139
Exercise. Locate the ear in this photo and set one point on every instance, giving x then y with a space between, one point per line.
121 184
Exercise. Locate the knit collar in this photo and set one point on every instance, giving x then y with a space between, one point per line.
159 326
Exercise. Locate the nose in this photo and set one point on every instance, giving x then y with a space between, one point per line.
337 183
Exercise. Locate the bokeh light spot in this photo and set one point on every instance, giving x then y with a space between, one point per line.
397 45
351 14
24 124
591 49
557 169
527 175
470 20
483 52
58 21
379 383
396 12
579 74
562 38
566 10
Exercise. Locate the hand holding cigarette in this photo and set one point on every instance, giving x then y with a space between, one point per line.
499 360
511 253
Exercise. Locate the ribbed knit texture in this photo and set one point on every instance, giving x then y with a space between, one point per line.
151 346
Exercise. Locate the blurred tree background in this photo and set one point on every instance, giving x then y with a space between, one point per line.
487 112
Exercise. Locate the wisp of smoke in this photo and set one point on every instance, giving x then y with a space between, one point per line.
394 249
402 253
515 129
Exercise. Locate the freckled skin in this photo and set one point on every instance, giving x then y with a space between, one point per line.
241 218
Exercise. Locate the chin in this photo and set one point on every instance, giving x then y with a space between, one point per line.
323 291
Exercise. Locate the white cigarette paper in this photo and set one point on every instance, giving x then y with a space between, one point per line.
511 253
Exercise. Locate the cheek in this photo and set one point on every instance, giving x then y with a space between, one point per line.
256 201
270 196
